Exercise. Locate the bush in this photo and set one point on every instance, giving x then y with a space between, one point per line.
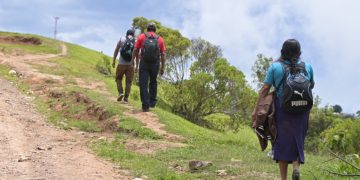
321 119
343 138
219 122
104 66
348 169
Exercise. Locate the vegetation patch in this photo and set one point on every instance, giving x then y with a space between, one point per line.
20 40
80 110
16 43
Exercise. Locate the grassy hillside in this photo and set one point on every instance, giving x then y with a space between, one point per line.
237 153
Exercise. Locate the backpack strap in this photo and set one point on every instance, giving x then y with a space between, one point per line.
284 67
287 69
301 67
147 34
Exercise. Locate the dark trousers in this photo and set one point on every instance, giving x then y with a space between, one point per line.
148 89
128 71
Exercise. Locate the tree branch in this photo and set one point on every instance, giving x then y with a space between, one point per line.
342 159
339 174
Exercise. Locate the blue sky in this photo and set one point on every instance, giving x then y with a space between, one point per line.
328 33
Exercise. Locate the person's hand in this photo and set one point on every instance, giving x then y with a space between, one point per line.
253 117
162 70
113 64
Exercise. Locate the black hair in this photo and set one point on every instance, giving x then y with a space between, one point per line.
130 32
151 27
291 50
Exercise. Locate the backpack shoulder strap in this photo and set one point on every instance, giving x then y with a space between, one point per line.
148 35
285 68
301 67
156 36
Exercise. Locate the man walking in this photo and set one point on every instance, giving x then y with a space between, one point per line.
125 65
152 61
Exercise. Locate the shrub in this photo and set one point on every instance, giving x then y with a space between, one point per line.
343 138
103 66
348 169
219 122
320 120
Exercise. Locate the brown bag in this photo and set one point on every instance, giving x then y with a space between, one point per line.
264 121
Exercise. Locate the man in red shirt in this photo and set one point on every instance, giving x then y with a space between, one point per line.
152 59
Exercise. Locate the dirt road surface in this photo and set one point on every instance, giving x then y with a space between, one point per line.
30 148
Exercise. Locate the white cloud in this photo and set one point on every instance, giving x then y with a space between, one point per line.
242 28
101 38
334 30
327 31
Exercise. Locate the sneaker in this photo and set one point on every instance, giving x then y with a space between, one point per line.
126 101
121 96
145 109
296 175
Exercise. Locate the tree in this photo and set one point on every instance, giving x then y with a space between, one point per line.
204 94
337 108
222 90
358 113
260 68
205 54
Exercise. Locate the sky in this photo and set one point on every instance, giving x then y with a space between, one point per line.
327 31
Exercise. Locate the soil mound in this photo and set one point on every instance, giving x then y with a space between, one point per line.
20 40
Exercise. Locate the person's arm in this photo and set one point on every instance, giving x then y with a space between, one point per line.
262 94
162 55
136 52
162 60
135 59
116 52
312 78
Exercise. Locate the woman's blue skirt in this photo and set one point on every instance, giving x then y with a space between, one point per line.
291 132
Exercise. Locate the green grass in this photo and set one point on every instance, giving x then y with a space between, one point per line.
134 127
238 153
4 73
88 126
47 46
139 164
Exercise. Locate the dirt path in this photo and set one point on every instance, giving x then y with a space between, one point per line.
47 152
151 121
44 151
23 64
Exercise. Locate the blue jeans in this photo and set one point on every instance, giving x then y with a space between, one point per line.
148 90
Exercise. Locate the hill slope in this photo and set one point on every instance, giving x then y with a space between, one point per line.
158 145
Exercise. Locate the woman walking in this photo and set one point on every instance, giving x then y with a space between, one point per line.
291 124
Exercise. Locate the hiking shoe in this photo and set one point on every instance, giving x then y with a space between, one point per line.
121 96
145 109
296 175
126 101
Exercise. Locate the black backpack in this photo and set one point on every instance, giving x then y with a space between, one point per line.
127 49
297 95
151 50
